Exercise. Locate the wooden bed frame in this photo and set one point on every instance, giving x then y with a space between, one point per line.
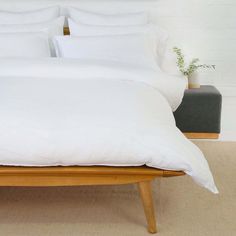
94 175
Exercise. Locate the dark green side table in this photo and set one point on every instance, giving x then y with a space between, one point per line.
199 115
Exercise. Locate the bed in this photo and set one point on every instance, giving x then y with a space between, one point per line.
80 121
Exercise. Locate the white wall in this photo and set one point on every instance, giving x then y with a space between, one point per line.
203 28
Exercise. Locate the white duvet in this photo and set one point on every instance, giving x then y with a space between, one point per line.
70 112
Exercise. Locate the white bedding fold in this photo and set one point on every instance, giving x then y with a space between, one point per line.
172 87
68 112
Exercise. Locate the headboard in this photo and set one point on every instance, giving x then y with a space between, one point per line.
66 30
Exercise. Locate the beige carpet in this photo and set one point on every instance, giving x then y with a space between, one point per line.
182 207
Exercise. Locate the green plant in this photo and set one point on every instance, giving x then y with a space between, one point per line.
188 70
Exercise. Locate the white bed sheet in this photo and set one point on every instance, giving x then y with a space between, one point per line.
70 112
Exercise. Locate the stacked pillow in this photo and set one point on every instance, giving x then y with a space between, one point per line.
29 17
112 37
125 38
29 34
90 18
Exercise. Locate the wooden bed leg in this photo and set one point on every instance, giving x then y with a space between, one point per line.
146 196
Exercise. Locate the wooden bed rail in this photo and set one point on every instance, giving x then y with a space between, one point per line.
77 175
94 175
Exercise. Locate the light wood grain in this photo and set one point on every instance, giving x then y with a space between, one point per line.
77 175
66 31
202 135
146 196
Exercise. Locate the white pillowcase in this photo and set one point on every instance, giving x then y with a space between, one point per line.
133 49
91 18
25 45
51 28
30 17
159 35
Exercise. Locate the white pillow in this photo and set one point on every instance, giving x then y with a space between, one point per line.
90 18
29 17
27 45
51 28
160 35
133 49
